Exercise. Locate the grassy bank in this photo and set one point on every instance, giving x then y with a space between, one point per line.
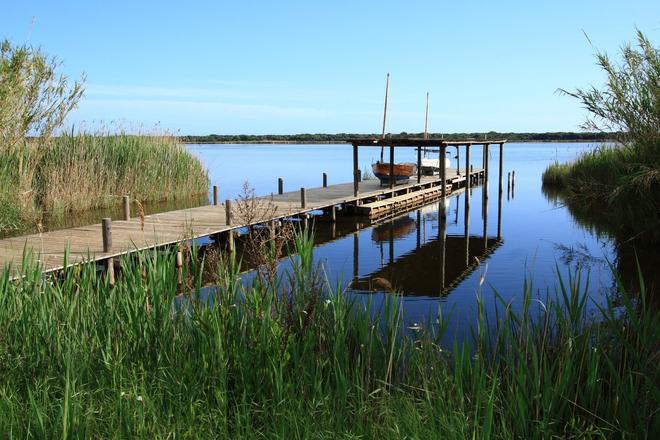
81 172
622 181
79 359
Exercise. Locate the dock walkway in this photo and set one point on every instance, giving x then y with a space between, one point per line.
84 244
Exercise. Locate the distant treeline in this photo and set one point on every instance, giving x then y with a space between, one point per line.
559 136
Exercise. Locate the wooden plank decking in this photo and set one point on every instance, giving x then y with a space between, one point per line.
85 243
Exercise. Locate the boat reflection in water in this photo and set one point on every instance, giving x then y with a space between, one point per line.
435 265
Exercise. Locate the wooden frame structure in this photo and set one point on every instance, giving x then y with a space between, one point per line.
419 143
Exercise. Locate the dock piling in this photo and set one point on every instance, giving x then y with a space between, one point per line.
280 186
419 164
355 171
391 166
468 169
127 207
333 213
228 212
179 267
325 180
215 195
303 198
106 231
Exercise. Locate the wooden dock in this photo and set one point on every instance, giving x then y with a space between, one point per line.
85 244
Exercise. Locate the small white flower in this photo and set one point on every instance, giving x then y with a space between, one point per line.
139 398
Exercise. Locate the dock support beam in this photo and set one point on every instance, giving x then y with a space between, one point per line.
499 201
325 180
468 174
280 186
303 198
419 164
355 171
215 195
443 179
391 166
127 208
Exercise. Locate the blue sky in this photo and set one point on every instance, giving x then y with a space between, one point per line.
261 67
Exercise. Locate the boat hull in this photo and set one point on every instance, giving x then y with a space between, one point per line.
402 172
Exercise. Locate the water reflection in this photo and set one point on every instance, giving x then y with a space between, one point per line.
432 268
412 254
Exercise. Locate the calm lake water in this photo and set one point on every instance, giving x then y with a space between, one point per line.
539 236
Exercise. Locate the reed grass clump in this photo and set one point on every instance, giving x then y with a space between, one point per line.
622 179
81 359
79 172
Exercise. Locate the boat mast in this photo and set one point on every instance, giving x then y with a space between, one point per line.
426 122
387 91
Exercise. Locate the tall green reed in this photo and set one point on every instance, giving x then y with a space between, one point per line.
80 359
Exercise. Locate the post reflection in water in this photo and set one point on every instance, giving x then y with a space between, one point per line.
427 267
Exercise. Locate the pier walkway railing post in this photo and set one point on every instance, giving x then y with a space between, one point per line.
228 212
127 207
106 232
499 199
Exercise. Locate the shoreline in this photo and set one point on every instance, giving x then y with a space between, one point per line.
318 142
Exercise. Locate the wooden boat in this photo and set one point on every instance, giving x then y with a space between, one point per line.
402 172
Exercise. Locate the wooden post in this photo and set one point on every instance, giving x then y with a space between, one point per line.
127 208
325 180
508 181
501 165
486 166
215 195
228 212
419 164
443 178
468 177
303 198
355 171
333 213
179 267
458 161
280 186
391 165
513 178
106 233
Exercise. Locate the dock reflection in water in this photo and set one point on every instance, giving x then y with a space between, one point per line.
437 262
